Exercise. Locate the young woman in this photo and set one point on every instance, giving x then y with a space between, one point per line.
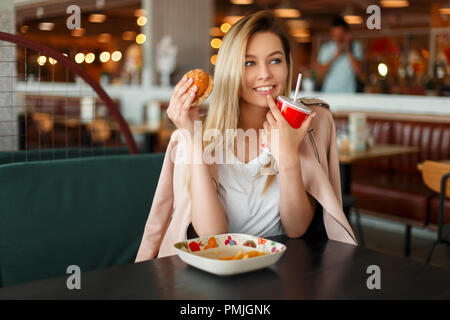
302 193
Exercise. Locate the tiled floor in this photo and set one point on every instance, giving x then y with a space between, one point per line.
388 237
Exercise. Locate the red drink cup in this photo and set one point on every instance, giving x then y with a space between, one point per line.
294 112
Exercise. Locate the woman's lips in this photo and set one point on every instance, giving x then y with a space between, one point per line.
264 90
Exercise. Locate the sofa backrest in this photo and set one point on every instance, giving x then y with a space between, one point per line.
89 212
59 154
432 136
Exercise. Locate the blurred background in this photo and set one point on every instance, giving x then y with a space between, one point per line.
395 106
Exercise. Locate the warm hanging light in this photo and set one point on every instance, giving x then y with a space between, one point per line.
140 38
41 60
140 12
128 35
46 26
52 61
97 17
116 56
298 24
299 33
382 69
353 19
241 2
225 27
394 3
89 58
78 32
104 37
445 8
141 21
285 10
351 16
214 59
104 56
79 57
216 43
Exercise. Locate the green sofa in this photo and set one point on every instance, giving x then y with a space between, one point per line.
89 212
59 154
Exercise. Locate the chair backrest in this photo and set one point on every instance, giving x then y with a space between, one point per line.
89 212
432 173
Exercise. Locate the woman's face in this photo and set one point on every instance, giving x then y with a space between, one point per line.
266 70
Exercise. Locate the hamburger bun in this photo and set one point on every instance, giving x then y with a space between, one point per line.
204 83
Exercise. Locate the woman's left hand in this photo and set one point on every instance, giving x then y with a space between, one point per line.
286 152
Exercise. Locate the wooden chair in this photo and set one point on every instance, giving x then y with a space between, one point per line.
436 177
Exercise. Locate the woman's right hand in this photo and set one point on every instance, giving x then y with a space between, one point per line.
180 109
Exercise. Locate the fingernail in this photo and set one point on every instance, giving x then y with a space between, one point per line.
194 88
190 80
313 114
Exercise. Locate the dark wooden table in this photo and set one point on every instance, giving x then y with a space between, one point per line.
308 270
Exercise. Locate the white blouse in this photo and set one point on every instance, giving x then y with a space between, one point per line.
247 210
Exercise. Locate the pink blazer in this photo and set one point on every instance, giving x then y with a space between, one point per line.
169 216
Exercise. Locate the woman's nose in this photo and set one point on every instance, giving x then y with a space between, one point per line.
264 72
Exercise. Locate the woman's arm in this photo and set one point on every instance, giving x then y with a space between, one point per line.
208 216
296 208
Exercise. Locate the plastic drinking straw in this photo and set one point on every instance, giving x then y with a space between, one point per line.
297 86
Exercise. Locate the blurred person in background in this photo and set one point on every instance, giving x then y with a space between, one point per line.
339 60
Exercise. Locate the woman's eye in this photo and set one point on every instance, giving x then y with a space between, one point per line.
249 63
274 61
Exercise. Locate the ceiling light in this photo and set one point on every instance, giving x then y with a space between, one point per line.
298 24
213 59
46 26
285 10
129 35
89 58
225 27
353 19
445 8
140 38
104 37
52 61
79 57
241 2
394 3
141 21
78 32
382 69
97 17
298 33
287 13
104 56
116 56
216 43
232 19
41 60
140 12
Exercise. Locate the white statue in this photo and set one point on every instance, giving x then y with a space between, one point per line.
166 56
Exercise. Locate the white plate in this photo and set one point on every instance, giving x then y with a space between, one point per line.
204 253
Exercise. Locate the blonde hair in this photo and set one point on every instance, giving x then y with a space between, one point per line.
223 110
